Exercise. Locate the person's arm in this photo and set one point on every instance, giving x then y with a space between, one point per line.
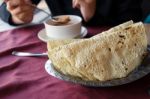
6 16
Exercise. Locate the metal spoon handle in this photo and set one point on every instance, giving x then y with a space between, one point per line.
28 54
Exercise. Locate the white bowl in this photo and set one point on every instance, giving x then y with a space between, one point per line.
70 30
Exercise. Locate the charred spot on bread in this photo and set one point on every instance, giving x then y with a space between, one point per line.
127 28
126 68
135 44
123 62
122 36
145 54
109 49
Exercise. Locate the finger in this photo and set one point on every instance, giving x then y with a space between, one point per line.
24 19
12 4
16 11
18 2
80 5
76 4
73 3
84 13
21 16
21 9
88 9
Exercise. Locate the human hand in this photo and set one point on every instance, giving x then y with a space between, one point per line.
20 10
87 8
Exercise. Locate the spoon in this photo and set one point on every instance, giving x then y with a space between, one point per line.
16 53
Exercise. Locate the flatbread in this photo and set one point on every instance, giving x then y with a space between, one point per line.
51 44
111 55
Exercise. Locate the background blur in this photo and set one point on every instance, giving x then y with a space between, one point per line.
39 17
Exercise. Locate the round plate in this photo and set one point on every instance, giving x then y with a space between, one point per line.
138 73
42 34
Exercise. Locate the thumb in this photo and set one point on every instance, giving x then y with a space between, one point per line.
85 13
76 4
80 4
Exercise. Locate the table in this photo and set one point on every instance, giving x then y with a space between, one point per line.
26 78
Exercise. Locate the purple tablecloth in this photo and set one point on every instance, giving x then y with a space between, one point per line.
26 78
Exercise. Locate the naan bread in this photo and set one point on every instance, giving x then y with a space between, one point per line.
51 44
110 56
56 43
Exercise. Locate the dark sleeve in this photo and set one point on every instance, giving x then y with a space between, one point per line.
102 14
128 10
113 12
6 16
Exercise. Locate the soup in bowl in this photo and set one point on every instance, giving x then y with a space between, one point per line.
63 27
